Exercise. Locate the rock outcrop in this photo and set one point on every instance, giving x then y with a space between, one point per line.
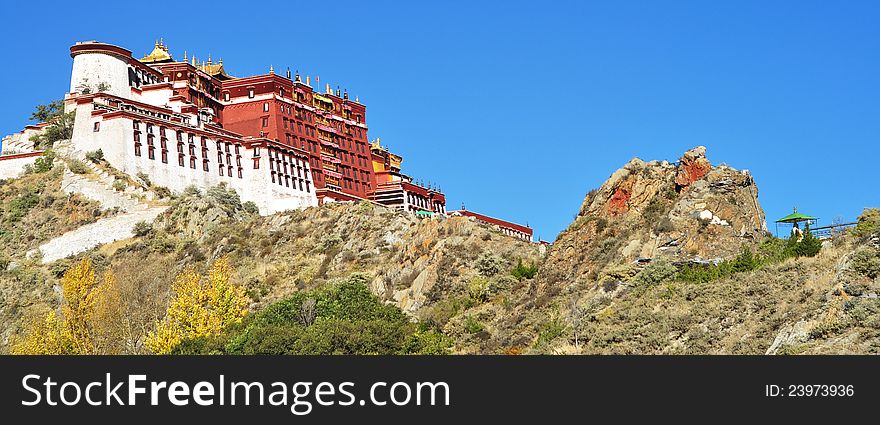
683 211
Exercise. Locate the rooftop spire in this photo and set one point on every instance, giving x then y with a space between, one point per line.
271 69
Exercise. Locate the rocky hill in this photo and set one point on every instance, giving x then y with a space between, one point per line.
662 258
687 211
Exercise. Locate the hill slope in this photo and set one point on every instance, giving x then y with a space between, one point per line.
635 273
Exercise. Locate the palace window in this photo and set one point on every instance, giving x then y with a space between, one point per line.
239 172
281 93
164 145
205 165
151 150
97 126
265 106
192 162
180 159
251 93
265 122
226 96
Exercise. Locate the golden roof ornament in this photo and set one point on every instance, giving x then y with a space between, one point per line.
159 53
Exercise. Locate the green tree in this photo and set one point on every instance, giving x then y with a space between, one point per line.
45 113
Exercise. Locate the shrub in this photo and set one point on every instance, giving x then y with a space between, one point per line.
660 270
808 246
119 185
162 191
142 228
45 162
343 318
478 289
77 166
95 156
145 179
868 223
224 196
664 225
744 262
524 271
19 207
192 190
472 325
866 261
654 210
250 207
489 264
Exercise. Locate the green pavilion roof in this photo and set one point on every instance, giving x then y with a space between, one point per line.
795 216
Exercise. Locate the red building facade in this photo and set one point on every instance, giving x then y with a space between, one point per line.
328 126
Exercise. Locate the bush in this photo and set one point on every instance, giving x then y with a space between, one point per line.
808 246
142 228
19 207
868 223
866 261
77 166
45 162
192 190
744 262
524 271
119 185
145 179
95 156
489 264
344 318
660 270
472 325
478 289
250 207
664 225
227 198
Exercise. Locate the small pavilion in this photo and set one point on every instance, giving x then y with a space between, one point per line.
795 220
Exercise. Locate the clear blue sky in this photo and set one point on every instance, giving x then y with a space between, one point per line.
519 109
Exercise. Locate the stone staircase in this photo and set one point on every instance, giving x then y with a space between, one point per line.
134 204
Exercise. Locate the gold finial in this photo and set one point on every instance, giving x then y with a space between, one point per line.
271 69
157 43
162 42
184 56
194 60
356 99
209 58
308 83
221 60
328 89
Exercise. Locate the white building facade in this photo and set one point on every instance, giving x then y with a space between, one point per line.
129 111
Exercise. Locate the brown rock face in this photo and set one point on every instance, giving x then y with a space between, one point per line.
650 210
692 167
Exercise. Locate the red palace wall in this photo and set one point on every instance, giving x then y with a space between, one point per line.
288 122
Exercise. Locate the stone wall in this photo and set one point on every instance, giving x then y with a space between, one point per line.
12 166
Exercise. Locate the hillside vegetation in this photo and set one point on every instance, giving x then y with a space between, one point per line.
662 259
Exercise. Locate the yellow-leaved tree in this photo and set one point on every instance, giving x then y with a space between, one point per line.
90 317
199 307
